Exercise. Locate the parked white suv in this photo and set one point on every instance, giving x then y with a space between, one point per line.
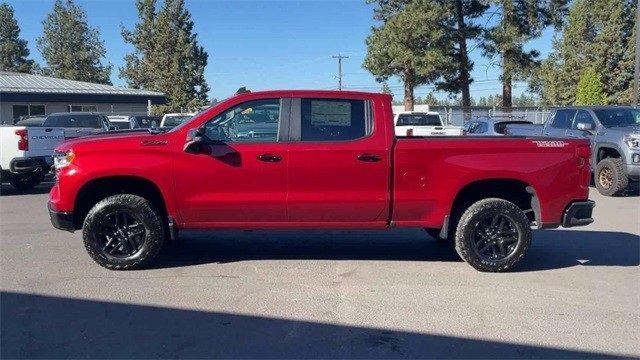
423 123
26 154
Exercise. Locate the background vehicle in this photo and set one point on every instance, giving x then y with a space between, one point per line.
26 154
120 122
614 132
491 126
76 124
35 120
174 119
429 123
145 121
334 162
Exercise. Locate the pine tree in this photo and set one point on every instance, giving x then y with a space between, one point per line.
408 44
461 28
599 35
590 89
520 21
385 89
167 56
70 47
13 50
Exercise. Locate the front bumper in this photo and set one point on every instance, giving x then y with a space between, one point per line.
578 214
61 220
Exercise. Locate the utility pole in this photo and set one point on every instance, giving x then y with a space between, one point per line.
636 78
340 57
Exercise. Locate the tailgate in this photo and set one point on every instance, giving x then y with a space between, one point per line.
43 140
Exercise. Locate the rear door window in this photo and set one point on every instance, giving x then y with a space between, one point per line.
334 119
563 118
418 120
74 121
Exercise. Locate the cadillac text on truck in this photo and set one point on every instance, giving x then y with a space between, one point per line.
333 162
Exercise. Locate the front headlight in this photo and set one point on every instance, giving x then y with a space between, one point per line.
632 141
63 159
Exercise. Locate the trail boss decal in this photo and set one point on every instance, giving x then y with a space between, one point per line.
544 143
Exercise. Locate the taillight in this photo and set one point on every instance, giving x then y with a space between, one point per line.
23 143
409 132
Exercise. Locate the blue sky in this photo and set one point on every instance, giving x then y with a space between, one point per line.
265 44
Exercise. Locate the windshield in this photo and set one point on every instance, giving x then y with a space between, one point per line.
618 117
173 121
418 120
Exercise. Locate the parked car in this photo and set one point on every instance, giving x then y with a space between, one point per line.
423 123
174 119
146 121
334 163
491 126
120 122
76 124
26 154
614 132
34 120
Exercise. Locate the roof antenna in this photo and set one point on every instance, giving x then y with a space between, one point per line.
242 90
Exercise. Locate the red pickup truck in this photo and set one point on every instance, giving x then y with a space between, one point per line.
315 159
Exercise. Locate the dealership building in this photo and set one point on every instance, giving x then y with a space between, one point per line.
27 94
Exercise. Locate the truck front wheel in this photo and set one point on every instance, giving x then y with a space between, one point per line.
123 232
610 177
493 235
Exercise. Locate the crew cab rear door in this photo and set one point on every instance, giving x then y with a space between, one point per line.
338 162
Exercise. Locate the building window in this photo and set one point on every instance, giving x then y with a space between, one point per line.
87 108
20 111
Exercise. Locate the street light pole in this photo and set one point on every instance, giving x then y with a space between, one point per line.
340 57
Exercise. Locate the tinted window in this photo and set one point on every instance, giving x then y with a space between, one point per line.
147 121
501 127
74 121
333 119
418 120
120 125
583 117
618 117
175 120
478 127
251 121
563 118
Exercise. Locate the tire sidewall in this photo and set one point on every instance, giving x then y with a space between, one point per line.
617 183
144 214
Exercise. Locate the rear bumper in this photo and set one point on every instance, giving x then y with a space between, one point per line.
31 164
578 214
61 220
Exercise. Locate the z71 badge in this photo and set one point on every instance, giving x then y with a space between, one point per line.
546 143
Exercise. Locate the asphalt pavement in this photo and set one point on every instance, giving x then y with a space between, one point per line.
320 294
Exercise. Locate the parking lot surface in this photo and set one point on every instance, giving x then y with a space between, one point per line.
320 294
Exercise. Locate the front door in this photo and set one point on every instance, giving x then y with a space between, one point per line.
582 116
560 123
339 168
241 178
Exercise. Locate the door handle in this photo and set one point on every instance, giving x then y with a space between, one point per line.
269 157
369 157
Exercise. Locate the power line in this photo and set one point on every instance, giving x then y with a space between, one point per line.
340 57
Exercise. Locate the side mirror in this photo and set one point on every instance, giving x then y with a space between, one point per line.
195 143
585 126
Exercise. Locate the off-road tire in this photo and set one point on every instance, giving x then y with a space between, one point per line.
25 182
466 225
150 219
619 181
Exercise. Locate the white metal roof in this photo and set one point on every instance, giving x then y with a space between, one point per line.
13 82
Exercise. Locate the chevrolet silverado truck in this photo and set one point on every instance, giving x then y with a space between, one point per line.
333 163
26 154
614 132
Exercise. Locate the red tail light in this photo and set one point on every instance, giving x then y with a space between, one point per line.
409 132
23 143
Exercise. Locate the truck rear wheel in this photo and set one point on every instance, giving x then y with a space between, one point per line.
611 177
25 182
493 235
123 232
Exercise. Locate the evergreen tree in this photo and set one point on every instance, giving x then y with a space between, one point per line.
520 21
403 46
461 28
599 35
70 47
386 89
13 50
167 56
590 89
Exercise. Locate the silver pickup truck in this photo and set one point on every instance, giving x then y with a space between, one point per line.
614 132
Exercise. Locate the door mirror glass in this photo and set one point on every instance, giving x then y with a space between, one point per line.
584 126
